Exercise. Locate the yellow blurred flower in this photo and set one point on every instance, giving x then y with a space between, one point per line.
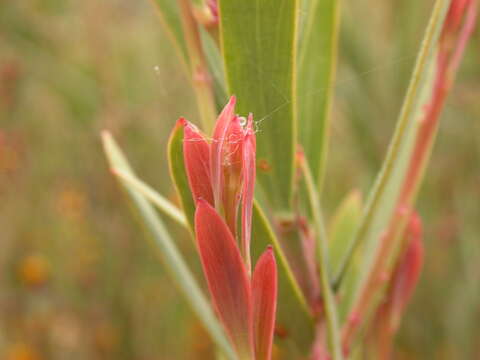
34 270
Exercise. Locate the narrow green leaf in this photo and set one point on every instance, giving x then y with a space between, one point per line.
293 313
153 196
170 18
341 233
316 74
215 66
179 176
342 228
171 257
258 42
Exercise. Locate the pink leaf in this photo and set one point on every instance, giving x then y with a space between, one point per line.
248 174
226 276
264 287
216 155
402 284
232 172
405 277
196 152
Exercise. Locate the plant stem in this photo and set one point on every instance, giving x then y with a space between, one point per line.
330 306
200 76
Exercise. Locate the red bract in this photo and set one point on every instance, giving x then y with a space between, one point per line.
196 152
403 283
248 166
407 272
217 149
226 275
231 170
221 175
224 169
264 284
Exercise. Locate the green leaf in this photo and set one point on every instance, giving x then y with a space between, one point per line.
170 255
258 42
171 21
316 74
342 229
341 232
179 176
215 66
293 313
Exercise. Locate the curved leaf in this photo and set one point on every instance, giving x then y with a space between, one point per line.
226 276
178 174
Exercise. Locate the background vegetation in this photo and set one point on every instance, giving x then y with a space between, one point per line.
77 278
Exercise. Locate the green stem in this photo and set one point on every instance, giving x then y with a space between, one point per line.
330 306
200 76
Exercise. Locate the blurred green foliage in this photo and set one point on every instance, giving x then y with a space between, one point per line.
77 279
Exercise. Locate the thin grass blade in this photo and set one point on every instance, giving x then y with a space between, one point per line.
163 204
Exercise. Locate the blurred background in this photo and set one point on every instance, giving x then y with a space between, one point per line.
78 278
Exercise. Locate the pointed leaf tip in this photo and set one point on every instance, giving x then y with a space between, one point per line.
196 152
218 140
248 175
226 276
264 288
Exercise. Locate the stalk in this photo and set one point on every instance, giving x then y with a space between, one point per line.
331 314
200 76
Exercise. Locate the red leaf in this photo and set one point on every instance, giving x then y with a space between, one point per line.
232 172
226 276
264 288
216 155
248 174
406 275
404 279
196 152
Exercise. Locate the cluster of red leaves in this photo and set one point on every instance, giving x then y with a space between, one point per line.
221 175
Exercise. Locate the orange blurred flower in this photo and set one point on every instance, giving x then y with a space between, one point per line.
22 352
34 270
71 202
